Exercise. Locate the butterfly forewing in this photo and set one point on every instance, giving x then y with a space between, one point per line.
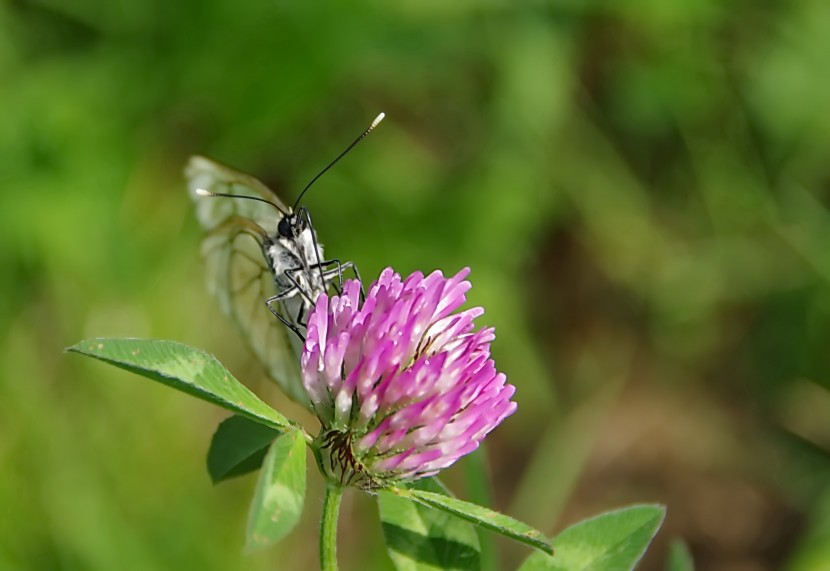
237 270
205 174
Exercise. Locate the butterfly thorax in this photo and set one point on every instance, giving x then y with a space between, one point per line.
297 253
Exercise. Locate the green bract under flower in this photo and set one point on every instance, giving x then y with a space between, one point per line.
402 384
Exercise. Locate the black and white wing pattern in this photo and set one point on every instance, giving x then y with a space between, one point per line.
238 272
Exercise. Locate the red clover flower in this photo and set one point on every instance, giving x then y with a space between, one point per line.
401 383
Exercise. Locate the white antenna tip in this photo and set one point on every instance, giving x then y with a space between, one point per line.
377 120
202 192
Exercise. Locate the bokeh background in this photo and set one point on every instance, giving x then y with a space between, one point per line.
640 188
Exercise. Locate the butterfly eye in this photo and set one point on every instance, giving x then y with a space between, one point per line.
286 227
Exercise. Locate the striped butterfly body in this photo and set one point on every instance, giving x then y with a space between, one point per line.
262 255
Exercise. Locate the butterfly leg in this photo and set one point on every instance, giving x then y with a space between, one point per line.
284 321
353 266
350 266
287 293
295 286
338 271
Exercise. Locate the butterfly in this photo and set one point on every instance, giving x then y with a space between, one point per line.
262 255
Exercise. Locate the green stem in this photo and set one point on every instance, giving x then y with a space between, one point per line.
328 528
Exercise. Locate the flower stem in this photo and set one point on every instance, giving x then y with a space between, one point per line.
328 528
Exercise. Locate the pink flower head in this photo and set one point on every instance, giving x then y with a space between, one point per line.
401 383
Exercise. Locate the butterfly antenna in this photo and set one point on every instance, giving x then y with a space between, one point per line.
203 192
374 124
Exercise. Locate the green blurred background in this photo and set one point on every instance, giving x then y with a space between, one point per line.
640 188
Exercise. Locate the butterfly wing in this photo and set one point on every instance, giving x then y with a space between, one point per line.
237 270
205 174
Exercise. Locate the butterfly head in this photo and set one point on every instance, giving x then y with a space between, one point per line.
293 224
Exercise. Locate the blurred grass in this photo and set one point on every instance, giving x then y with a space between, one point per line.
641 190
